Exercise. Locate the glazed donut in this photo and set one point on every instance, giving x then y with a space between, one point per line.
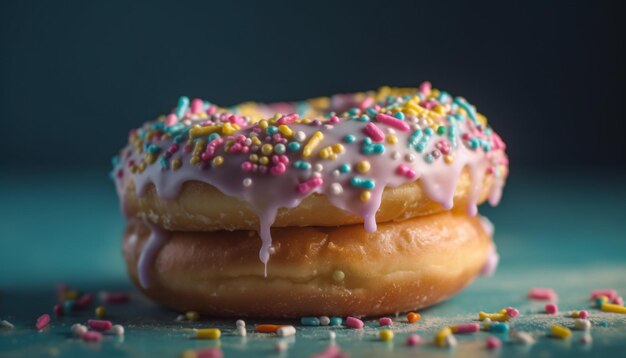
313 271
371 157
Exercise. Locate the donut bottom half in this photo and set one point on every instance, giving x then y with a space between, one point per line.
314 271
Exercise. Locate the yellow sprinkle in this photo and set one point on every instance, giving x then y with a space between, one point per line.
192 315
434 93
264 160
101 311
208 333
314 141
150 158
197 149
338 148
217 161
392 139
253 158
440 338
448 159
363 166
263 123
610 307
331 151
482 119
69 295
365 195
176 163
256 141
285 130
385 335
194 160
267 149
202 115
229 128
197 131
440 109
500 317
461 111
560 332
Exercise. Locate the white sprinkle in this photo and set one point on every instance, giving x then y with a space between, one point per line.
324 321
409 157
6 325
586 338
391 130
336 173
281 346
395 155
299 136
523 338
332 335
318 167
117 330
78 329
247 182
451 341
248 142
582 324
286 331
336 188
241 331
180 318
240 323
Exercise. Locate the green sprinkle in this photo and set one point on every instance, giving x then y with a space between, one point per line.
345 168
302 165
441 130
399 115
349 138
363 118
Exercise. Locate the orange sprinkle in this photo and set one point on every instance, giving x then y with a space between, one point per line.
413 317
267 328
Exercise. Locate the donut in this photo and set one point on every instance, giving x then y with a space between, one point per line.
368 157
336 271
381 186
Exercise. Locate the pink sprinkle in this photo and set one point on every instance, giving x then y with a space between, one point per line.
367 102
413 340
196 105
42 321
385 321
99 325
209 353
212 109
84 301
512 312
58 310
278 169
542 294
493 342
583 314
552 309
171 120
618 301
309 185
91 336
372 131
287 119
405 171
610 293
334 120
466 328
425 88
392 122
115 297
353 322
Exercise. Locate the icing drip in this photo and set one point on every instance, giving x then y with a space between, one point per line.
493 258
156 241
360 144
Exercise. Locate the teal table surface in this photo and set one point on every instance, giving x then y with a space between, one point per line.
563 230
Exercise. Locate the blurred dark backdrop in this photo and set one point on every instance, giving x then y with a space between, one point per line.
76 76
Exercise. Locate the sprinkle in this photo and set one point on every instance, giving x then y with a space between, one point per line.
339 276
280 148
363 183
78 329
349 138
497 327
611 307
293 146
42 321
392 122
309 185
336 188
302 165
511 312
101 311
413 317
240 323
241 331
392 139
267 328
493 343
618 301
448 159
560 332
465 328
58 309
117 330
580 314
336 321
6 325
363 166
551 309
582 324
345 168
608 292
181 109
542 294
414 138
324 321
365 196
286 331
309 321
208 333
314 141
91 336
353 322
84 301
500 316
192 315
385 335
413 340
197 105
171 120
99 325
385 321
440 338
68 306
522 338
372 131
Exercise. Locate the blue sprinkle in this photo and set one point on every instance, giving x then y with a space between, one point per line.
363 118
471 113
302 108
362 182
165 164
487 147
429 158
414 138
115 161
183 105
399 115
345 168
280 148
271 130
353 111
213 136
153 148
336 321
603 324
179 139
390 99
498 327
428 131
302 165
349 138
420 146
371 111
310 321
294 146
474 143
444 97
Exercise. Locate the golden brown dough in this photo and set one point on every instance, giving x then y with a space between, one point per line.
403 266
